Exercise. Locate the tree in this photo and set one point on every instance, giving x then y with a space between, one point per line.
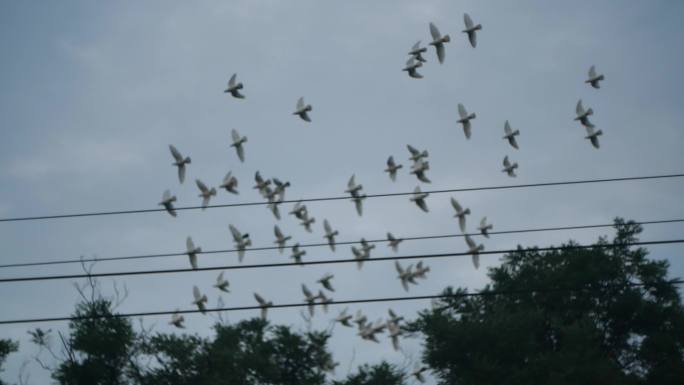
381 374
6 347
625 327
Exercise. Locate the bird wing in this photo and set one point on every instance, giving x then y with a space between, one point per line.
412 150
440 52
506 162
390 162
513 142
468 21
434 31
235 135
469 241
226 179
472 36
300 103
277 232
507 128
400 269
327 227
462 223
190 245
240 152
352 183
467 129
203 187
462 111
415 46
196 293
231 82
483 222
237 237
219 279
359 206
176 154
166 195
592 72
259 299
456 206
579 109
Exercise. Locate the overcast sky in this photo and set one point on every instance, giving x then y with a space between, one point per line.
91 95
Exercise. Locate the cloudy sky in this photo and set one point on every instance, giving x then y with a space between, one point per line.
91 95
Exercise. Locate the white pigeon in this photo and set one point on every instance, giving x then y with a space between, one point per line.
474 250
230 183
192 252
200 300
465 119
303 110
593 136
583 115
404 274
307 222
167 202
484 227
309 298
177 320
416 155
392 168
234 88
297 253
222 283
510 135
471 29
179 161
205 193
417 52
411 67
594 79
509 167
238 143
418 373
460 214
241 241
263 304
419 168
330 234
419 199
438 42
393 242
325 281
281 239
344 318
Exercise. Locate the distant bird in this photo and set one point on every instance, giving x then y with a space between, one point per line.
411 67
261 184
510 135
419 199
179 161
299 211
241 241
438 42
509 167
418 373
192 252
352 187
263 304
465 119
361 254
325 281
366 247
471 29
593 136
594 79
421 270
417 52
297 253
221 283
309 298
404 274
394 332
419 168
393 242
205 193
200 300
416 155
392 168
307 222
303 110
330 234
583 115
484 227
324 300
167 202
230 183
393 317
344 318
177 320
360 319
280 188
474 250
238 143
234 88
460 214
281 239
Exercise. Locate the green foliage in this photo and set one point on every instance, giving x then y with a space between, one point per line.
381 374
610 333
6 347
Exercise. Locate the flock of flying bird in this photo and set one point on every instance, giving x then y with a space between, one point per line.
273 190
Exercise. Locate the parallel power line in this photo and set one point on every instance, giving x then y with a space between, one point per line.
325 244
326 262
344 302
258 203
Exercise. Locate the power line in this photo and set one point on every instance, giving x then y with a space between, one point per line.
341 302
325 244
324 262
321 199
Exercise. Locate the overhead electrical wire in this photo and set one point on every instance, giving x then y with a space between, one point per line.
320 199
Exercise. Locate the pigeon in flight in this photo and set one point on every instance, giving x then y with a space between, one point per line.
309 298
419 168
303 110
280 188
177 320
415 154
393 242
192 252
179 161
419 199
417 52
234 88
593 136
230 183
238 143
460 214
583 115
471 29
200 300
222 283
438 42
281 239
307 222
325 281
509 167
297 253
344 318
241 241
324 300
510 135
352 187
421 270
261 184
263 304
474 250
394 332
465 120
392 168
404 275
299 211
205 193
411 67
330 234
594 79
393 317
167 202
484 227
